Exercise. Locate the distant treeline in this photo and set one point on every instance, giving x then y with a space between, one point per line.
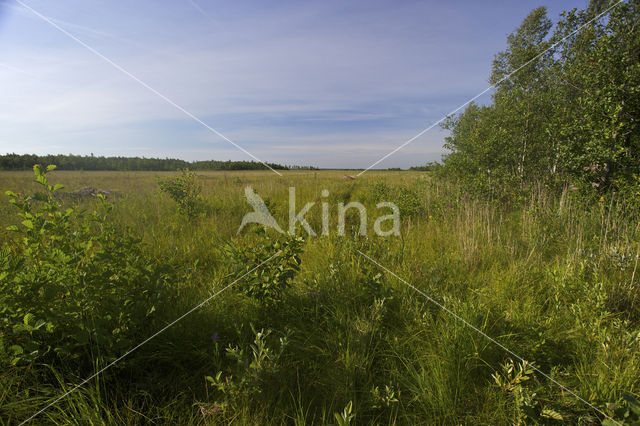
430 166
79 162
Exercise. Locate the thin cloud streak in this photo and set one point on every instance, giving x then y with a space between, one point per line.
325 74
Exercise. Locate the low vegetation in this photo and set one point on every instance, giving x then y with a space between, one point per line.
147 305
320 335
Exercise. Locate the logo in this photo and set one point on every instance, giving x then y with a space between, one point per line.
262 216
260 213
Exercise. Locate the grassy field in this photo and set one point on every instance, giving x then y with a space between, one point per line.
551 277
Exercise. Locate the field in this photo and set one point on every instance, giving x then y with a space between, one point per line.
334 338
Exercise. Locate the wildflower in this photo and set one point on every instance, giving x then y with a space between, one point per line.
215 337
602 199
430 217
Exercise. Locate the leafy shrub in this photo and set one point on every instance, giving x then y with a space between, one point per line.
407 199
628 415
386 399
379 191
513 379
185 191
254 367
372 286
70 282
345 418
267 283
408 202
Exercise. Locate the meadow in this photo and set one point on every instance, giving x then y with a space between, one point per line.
320 335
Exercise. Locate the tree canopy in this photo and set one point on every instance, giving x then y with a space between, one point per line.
566 105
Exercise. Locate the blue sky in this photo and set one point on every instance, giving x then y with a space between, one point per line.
323 83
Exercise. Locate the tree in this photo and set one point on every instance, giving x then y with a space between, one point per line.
566 106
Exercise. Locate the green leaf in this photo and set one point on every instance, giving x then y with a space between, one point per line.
634 404
16 349
28 318
551 414
39 196
51 167
27 224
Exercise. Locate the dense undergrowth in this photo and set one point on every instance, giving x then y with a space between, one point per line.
318 334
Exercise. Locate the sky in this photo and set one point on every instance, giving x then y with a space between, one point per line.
331 84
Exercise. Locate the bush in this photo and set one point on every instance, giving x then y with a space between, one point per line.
71 285
254 368
185 192
407 199
267 283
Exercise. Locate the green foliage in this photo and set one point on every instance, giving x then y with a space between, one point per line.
70 282
253 368
512 380
406 198
79 162
185 191
384 399
267 283
552 280
627 414
346 416
431 166
569 114
373 288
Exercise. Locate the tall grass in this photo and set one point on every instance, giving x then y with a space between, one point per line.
549 277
